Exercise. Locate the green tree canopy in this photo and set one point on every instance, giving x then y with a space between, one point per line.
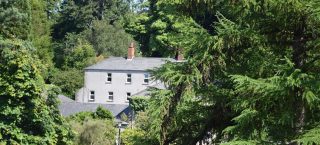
108 40
96 128
79 56
251 77
40 33
25 117
78 15
97 132
28 20
69 81
15 19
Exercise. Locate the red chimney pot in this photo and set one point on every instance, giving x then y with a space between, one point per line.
131 51
179 54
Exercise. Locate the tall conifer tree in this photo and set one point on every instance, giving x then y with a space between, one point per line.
253 78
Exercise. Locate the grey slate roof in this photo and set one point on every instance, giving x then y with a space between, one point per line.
64 99
69 107
146 92
137 63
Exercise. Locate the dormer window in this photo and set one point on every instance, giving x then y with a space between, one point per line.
109 78
129 78
146 78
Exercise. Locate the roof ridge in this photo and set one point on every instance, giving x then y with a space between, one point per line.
137 63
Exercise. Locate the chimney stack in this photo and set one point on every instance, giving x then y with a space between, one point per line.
130 51
179 54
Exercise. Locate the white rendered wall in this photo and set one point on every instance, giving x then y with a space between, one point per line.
95 80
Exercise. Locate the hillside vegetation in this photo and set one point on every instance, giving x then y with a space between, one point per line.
251 73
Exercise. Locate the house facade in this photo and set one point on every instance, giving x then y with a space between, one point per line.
116 79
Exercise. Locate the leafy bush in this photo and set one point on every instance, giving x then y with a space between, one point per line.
100 113
136 137
96 132
94 128
81 116
103 113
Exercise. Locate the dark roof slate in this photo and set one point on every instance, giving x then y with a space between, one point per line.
71 108
137 63
65 99
146 92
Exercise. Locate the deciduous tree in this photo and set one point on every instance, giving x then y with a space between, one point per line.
26 118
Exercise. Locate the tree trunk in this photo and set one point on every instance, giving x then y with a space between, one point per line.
298 57
101 9
168 117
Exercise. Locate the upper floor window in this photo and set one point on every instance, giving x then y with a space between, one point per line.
91 96
146 79
129 78
109 78
128 95
110 96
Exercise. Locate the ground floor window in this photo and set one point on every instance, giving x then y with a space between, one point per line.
91 96
110 96
128 95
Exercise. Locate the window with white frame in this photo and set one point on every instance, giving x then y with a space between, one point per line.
91 96
128 95
129 78
110 96
109 77
146 78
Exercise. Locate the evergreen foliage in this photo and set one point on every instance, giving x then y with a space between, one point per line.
40 34
68 80
15 19
140 132
79 56
78 15
250 75
28 20
102 37
139 103
310 136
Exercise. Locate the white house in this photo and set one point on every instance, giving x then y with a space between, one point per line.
115 79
